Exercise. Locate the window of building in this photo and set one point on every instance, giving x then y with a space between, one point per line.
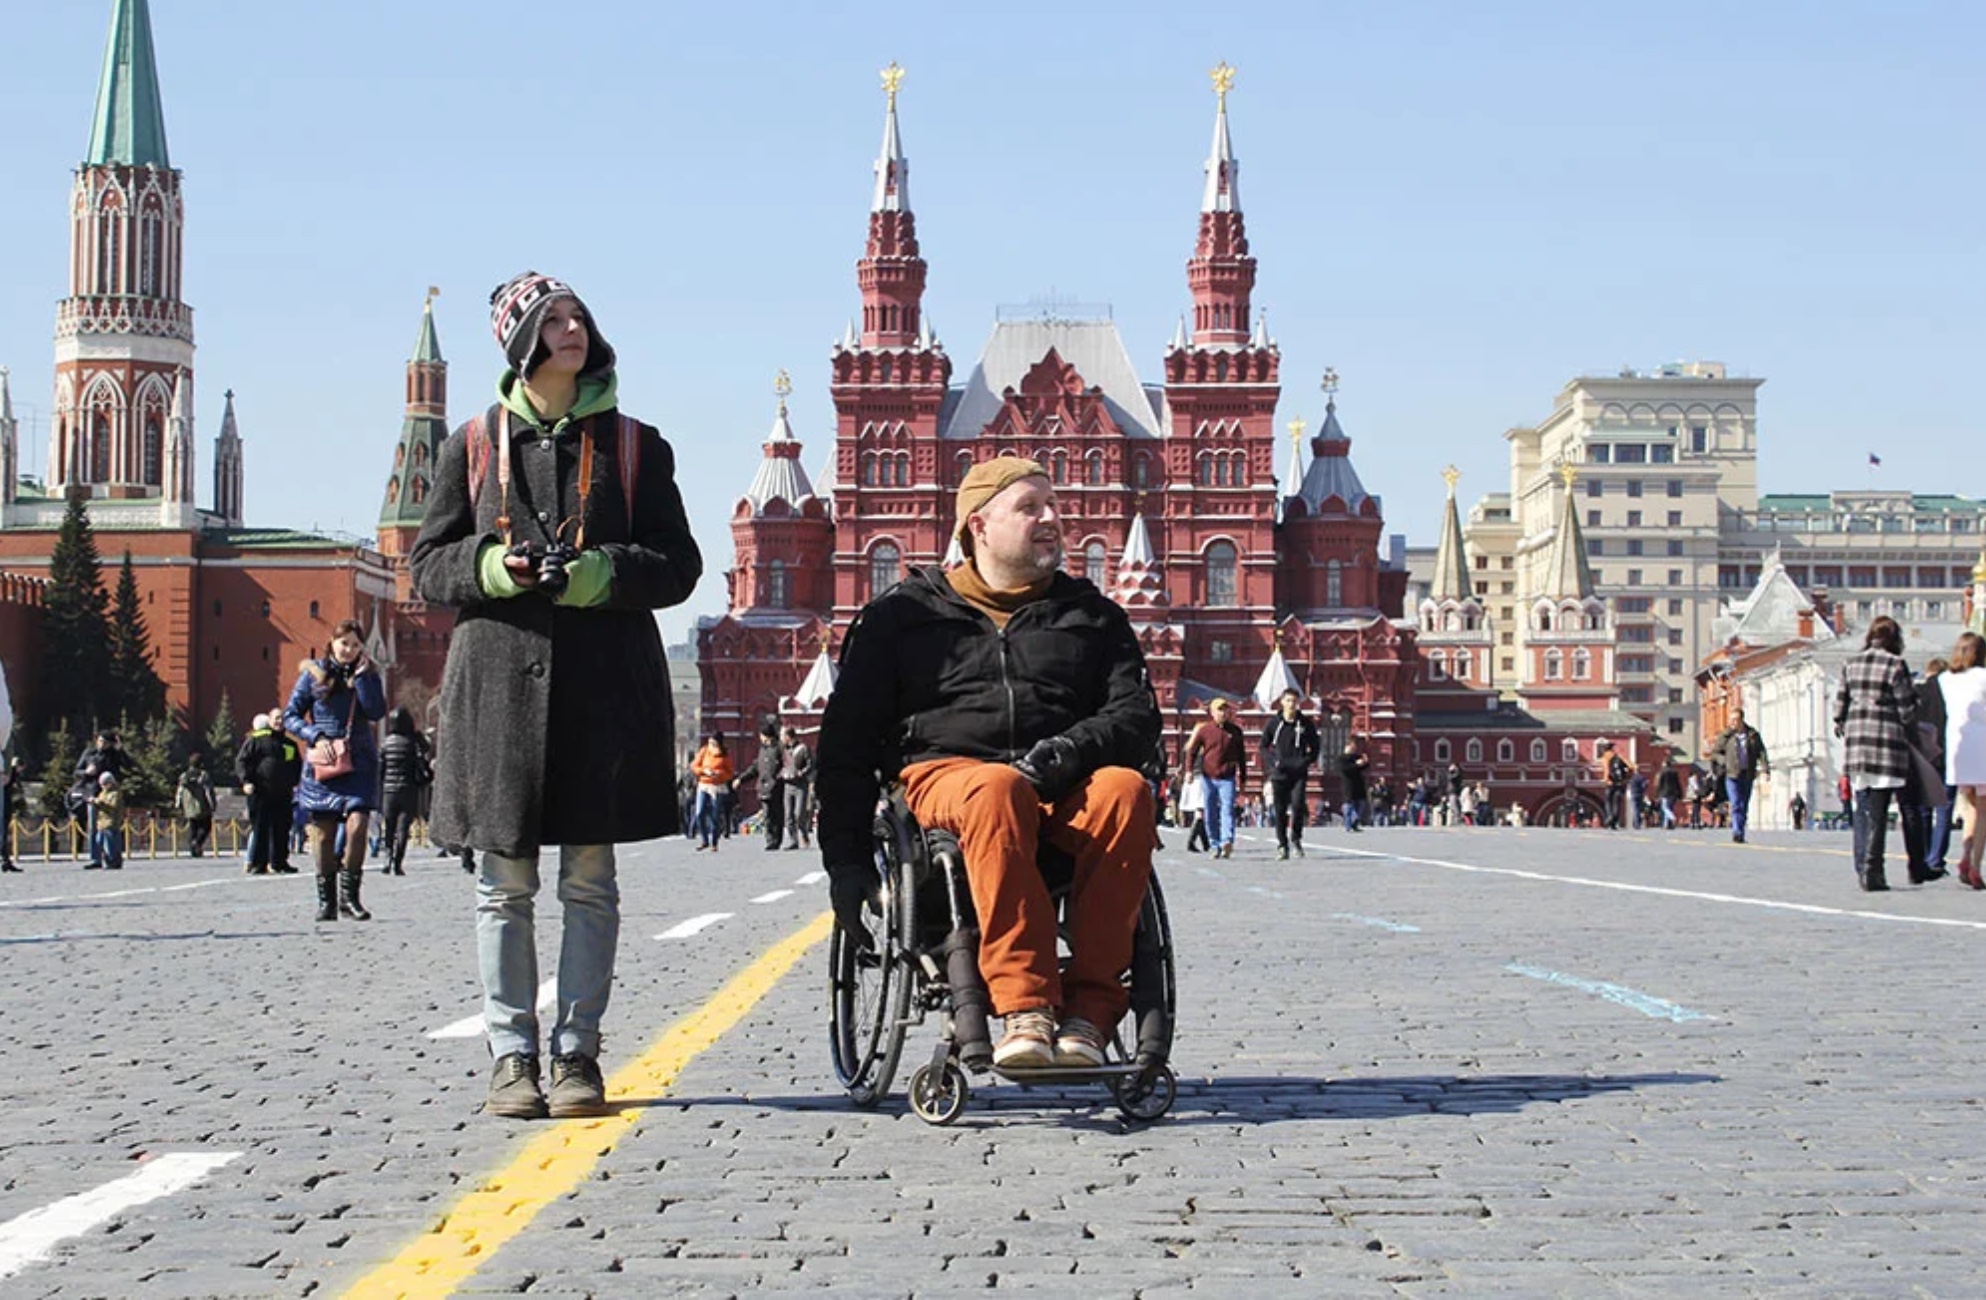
1596 488
1465 665
1582 665
1634 519
1094 562
1934 609
1675 695
1334 585
1507 562
1598 452
1141 470
1568 750
1482 561
265 609
1634 487
776 594
1637 695
1634 577
1675 636
1442 750
1827 575
1675 519
1675 726
1661 453
1093 469
1896 576
1505 751
1473 751
1220 575
1597 546
1675 487
1538 751
1674 546
1638 632
885 568
1861 575
1699 438
1634 546
1592 518
1554 665
1675 666
1482 589
1506 638
1631 453
1508 664
1675 580
313 609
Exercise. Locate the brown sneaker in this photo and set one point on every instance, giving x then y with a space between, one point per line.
514 1090
1029 1043
577 1089
1079 1043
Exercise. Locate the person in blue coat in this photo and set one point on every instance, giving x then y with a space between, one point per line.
332 707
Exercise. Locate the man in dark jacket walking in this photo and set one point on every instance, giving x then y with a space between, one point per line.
1289 747
1351 772
1740 751
772 789
1013 701
796 782
555 526
269 764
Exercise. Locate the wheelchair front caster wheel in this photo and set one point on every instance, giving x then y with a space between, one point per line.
1147 1096
938 1093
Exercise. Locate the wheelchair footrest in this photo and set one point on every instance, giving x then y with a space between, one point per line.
1055 1075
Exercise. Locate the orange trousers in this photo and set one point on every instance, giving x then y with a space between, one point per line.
1106 825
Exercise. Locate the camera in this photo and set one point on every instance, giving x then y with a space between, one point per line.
549 562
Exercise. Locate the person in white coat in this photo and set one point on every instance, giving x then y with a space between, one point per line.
1963 686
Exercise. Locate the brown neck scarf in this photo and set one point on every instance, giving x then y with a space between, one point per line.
997 604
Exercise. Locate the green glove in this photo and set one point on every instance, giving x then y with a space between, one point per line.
495 580
588 580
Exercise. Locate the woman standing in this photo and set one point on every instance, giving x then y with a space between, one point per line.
555 526
404 772
713 770
1873 713
331 711
1963 689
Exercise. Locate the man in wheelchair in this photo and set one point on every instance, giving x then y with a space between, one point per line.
1012 702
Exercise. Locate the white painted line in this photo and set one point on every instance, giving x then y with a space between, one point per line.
1646 1003
1210 873
812 878
774 896
694 924
1770 904
1397 927
121 893
29 1238
472 1026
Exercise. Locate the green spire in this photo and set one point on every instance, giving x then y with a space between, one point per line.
428 346
130 123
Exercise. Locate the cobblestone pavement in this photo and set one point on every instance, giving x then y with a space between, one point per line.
1415 1063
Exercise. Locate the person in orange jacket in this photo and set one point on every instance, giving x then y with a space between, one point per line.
714 772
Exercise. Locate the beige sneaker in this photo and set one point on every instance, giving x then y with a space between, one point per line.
1029 1042
1079 1043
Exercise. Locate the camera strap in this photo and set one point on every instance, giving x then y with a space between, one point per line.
503 482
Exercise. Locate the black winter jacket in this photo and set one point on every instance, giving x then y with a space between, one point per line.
270 761
1288 748
925 675
403 764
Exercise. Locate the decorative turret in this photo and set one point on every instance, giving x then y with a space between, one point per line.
1456 642
1221 273
178 508
10 443
423 428
780 530
1570 638
1975 596
1567 574
1275 679
1330 558
891 272
122 336
1140 586
1451 559
228 468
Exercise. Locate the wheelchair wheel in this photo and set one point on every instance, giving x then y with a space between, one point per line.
938 1093
869 997
1146 1097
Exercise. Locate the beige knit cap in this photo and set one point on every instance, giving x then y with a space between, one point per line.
983 482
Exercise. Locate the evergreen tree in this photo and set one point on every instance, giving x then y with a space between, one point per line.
222 741
154 773
138 691
58 774
75 689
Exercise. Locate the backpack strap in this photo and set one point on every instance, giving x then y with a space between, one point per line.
477 444
629 460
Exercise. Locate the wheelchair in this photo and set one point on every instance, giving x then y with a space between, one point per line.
925 962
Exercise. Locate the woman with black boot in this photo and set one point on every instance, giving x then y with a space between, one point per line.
332 708
404 772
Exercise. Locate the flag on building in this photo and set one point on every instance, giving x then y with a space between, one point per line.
1875 459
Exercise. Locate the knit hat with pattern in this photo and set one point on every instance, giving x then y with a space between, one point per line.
517 315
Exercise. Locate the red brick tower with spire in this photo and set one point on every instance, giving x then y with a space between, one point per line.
124 336
422 431
888 384
1221 387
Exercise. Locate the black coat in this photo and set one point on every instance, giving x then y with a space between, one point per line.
557 723
926 675
1874 712
1351 769
403 764
270 761
1288 748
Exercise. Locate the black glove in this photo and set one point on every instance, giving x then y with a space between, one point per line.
1051 767
850 890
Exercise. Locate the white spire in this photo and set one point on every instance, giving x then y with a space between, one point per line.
178 478
1261 337
819 685
1275 679
1179 336
1223 193
925 339
779 475
1138 543
10 443
892 168
847 342
6 398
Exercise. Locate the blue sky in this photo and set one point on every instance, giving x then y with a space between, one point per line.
1459 207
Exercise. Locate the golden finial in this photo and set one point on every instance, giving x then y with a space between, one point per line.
1296 428
1330 384
1451 476
434 291
827 639
892 78
1567 472
1978 569
1223 77
782 383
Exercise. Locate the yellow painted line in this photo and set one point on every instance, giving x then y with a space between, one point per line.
556 1162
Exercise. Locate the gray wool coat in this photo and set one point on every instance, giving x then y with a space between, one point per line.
557 723
1873 713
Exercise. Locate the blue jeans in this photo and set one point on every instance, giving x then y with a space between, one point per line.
1220 809
1941 832
1351 812
709 818
107 847
507 948
1738 789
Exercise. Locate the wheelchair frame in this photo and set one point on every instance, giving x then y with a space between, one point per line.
926 960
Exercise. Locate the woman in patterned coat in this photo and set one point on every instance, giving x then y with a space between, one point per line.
1873 713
